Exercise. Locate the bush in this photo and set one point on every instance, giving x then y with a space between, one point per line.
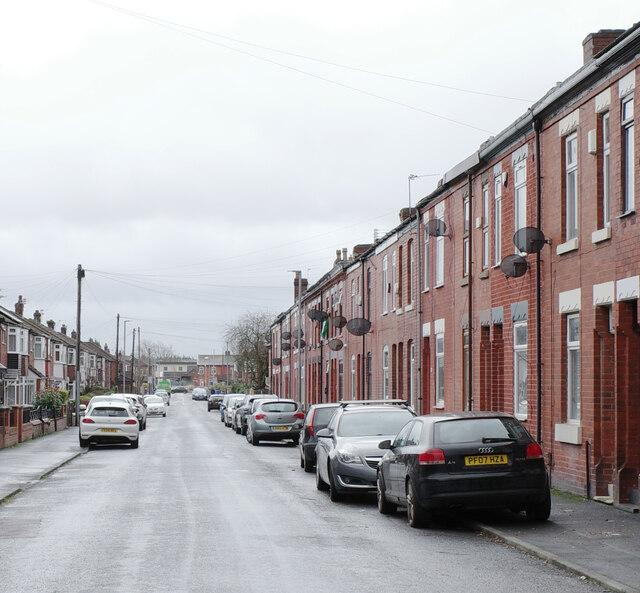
50 399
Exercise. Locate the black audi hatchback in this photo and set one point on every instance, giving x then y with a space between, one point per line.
467 460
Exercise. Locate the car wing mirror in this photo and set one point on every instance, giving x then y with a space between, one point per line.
385 444
324 433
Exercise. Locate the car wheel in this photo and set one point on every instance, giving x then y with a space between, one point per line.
334 495
164 415
302 462
417 516
255 441
249 436
384 506
540 511
134 444
84 442
308 464
243 430
238 430
320 483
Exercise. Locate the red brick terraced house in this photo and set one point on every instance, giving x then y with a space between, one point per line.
513 286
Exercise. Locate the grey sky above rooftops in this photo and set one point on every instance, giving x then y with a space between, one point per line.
188 166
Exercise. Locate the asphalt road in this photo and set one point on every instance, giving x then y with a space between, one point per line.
198 509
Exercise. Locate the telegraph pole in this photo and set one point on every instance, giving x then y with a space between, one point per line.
77 381
117 344
133 353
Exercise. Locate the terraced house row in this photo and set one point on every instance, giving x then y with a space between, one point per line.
35 356
513 286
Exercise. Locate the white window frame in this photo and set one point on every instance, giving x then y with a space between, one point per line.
427 270
573 368
412 374
385 372
485 227
497 220
465 257
571 186
39 348
385 285
353 377
57 353
520 196
439 374
394 281
628 155
520 360
605 123
410 271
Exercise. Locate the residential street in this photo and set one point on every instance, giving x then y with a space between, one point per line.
197 509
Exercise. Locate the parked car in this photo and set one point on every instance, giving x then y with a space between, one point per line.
164 395
199 394
179 389
463 460
274 421
347 452
155 405
137 401
96 399
109 422
225 402
214 401
317 418
230 408
239 423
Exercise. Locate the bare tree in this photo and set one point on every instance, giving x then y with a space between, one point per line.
157 350
248 338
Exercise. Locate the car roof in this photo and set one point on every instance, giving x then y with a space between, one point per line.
465 415
115 404
325 405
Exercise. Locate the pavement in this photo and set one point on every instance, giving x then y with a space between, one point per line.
598 542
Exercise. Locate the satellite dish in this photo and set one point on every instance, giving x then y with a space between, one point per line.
300 343
286 335
276 361
514 266
285 346
529 239
298 333
335 344
317 315
339 321
436 228
359 326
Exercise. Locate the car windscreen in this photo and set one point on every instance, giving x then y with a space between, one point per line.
471 430
279 407
371 423
154 400
109 412
323 415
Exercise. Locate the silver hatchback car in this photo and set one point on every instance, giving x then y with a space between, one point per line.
275 421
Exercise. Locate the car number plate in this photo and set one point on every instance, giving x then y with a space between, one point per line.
474 460
108 430
280 428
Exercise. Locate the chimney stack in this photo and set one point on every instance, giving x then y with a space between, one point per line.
344 254
51 324
63 329
20 306
74 334
37 316
298 283
595 43
361 249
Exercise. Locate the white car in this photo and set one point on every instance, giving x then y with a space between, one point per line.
155 405
109 422
164 395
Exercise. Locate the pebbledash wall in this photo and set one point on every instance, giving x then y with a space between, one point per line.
556 339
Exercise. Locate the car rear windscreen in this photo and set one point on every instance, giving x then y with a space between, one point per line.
280 407
367 423
323 415
110 412
471 430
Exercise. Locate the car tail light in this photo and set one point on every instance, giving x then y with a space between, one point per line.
88 421
431 457
260 416
310 422
299 415
534 451
131 421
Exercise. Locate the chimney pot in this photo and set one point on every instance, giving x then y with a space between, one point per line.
63 329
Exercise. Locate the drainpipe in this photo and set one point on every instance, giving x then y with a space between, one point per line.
470 308
537 125
419 273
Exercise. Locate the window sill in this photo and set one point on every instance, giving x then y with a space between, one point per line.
601 235
567 247
521 417
439 285
627 213
568 433
399 311
483 275
409 307
464 281
439 406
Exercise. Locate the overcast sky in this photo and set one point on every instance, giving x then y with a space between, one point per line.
190 153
